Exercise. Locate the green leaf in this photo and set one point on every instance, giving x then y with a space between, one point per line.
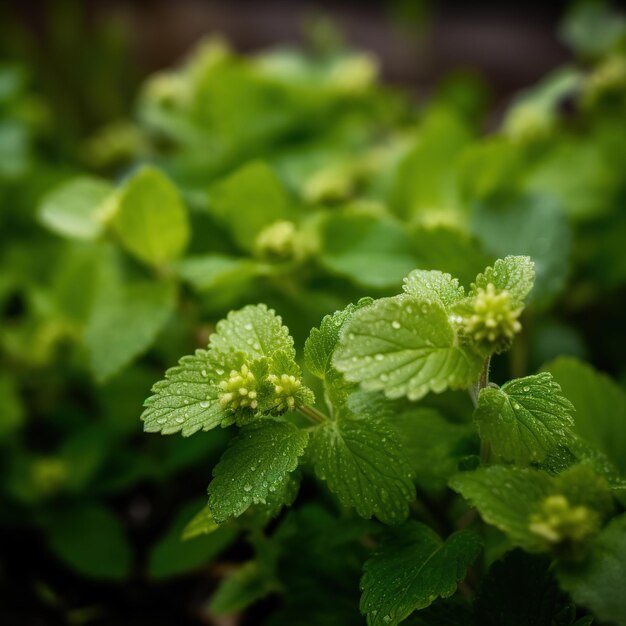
249 200
171 556
249 583
254 465
216 271
533 225
433 445
321 343
202 523
412 569
506 497
363 463
151 219
371 250
185 400
126 320
515 274
600 406
524 419
404 348
75 208
255 330
520 590
598 582
511 498
449 249
433 286
91 540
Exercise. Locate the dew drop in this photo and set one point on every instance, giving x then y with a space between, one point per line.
527 389
379 357
395 324
180 419
248 326
247 487
204 404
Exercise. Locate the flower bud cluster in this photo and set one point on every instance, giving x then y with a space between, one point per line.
493 321
239 390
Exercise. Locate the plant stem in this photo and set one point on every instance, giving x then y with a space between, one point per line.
313 414
482 382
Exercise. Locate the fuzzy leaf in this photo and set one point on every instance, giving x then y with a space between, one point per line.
255 331
151 219
524 419
404 348
506 497
412 569
254 465
185 400
600 406
320 345
515 274
363 464
433 286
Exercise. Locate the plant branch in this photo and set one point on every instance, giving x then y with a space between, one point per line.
312 414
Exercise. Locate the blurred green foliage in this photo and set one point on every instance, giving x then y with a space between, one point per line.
295 178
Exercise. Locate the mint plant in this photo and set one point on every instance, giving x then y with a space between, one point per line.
534 479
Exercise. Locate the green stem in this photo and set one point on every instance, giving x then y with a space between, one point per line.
482 382
313 414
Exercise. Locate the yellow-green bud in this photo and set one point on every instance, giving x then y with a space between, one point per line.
494 320
239 391
278 241
286 387
559 521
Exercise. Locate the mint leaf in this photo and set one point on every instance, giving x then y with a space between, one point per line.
254 465
433 445
151 219
248 200
202 523
185 400
600 407
75 208
524 419
255 331
363 464
404 348
534 225
321 343
251 582
126 319
506 497
450 249
216 271
171 556
515 274
598 582
538 511
433 286
371 250
412 569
